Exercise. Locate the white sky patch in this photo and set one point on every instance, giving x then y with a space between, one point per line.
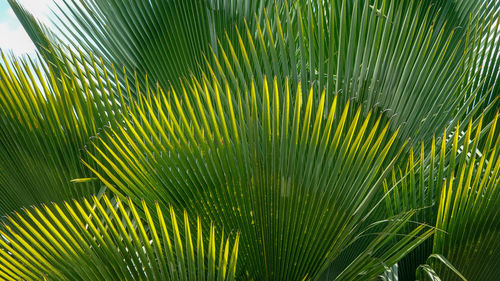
15 39
11 13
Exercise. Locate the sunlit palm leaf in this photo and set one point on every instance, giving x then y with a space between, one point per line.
425 64
419 184
300 175
469 216
102 239
401 59
299 188
46 120
416 61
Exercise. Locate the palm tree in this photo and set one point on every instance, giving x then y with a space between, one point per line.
313 140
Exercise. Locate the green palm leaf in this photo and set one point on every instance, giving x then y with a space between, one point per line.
102 239
468 216
301 189
163 39
399 58
420 183
43 38
299 165
46 119
425 64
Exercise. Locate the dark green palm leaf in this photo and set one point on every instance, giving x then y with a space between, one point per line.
163 39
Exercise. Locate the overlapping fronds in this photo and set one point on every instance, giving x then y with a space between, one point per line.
419 184
300 188
307 166
398 57
426 64
163 39
103 239
469 216
46 119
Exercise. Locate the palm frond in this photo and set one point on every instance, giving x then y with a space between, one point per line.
163 39
42 37
469 217
299 188
426 272
47 117
419 183
425 64
396 57
103 239
299 164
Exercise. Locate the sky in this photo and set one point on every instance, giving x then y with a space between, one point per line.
12 35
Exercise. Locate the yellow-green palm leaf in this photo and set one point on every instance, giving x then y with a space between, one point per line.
103 239
300 188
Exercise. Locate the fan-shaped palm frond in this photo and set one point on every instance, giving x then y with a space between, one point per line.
299 165
300 188
163 39
397 57
46 118
104 239
469 217
416 60
420 183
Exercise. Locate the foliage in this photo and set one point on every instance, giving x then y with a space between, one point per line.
251 179
344 140
47 120
103 239
459 165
